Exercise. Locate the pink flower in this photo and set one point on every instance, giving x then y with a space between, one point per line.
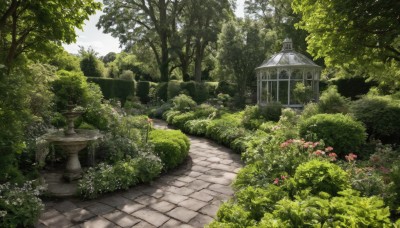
329 148
276 181
332 156
319 152
350 157
315 144
306 145
285 144
283 177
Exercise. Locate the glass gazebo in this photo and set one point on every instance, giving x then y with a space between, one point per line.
277 77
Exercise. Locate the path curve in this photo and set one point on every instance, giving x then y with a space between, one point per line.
186 197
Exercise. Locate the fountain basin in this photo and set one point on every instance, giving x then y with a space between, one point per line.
72 144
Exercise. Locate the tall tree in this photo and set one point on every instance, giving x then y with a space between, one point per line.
142 21
361 35
207 17
278 15
32 26
243 45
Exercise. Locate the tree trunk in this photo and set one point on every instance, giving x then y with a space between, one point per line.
164 41
198 61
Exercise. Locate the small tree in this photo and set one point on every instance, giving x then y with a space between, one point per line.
91 66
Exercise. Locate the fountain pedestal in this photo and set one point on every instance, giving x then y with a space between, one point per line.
73 169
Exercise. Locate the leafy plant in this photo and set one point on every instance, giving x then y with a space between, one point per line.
232 215
332 102
183 103
320 176
340 131
20 206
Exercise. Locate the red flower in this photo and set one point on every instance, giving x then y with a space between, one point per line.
276 181
350 157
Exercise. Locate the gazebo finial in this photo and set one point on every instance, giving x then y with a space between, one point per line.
287 45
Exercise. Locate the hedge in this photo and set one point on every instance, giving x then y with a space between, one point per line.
114 88
142 91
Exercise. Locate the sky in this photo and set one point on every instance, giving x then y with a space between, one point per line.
103 43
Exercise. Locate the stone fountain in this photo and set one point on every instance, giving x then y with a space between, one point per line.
72 141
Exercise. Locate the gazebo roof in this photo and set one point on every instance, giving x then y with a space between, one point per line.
288 58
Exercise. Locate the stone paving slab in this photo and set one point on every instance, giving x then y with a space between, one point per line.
186 197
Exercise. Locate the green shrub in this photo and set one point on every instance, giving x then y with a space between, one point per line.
115 88
216 127
198 91
346 210
197 126
142 91
116 148
271 111
302 93
381 115
158 112
226 88
180 120
260 200
169 115
340 131
124 174
211 87
174 89
20 206
232 215
205 111
172 146
353 87
332 102
162 91
127 75
320 176
310 109
252 117
183 103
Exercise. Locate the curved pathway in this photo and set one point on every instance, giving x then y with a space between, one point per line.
186 197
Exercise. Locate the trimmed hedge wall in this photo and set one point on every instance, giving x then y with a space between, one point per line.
114 88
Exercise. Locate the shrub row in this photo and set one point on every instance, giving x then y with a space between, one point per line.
115 88
172 146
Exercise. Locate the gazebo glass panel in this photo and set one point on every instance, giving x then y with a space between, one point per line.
283 92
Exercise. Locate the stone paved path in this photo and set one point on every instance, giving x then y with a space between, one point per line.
186 197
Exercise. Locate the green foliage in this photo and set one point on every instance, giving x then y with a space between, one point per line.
181 119
271 111
346 210
70 87
174 89
353 87
91 66
381 116
332 102
220 129
127 75
226 88
115 88
259 201
302 93
197 126
124 174
232 215
162 91
395 187
183 103
36 28
65 61
172 146
20 206
340 131
320 176
310 109
252 117
205 111
142 91
116 148
198 91
346 38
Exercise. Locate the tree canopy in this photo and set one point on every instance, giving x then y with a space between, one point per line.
33 26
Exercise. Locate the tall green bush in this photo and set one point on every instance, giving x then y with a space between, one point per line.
142 91
381 116
174 89
340 131
332 102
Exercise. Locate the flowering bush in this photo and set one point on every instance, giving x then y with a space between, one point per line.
337 130
19 205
